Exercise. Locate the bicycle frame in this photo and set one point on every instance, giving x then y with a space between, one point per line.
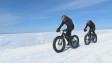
64 37
91 33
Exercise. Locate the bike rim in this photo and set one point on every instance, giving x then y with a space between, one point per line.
74 41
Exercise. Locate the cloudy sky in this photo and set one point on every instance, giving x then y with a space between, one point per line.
27 16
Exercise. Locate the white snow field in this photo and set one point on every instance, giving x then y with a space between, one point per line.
37 48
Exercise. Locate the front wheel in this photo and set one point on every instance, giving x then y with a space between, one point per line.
87 39
58 44
75 41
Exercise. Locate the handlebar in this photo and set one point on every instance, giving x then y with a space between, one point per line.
61 31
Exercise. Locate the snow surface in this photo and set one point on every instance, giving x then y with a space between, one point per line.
37 48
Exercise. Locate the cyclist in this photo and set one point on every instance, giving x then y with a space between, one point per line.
70 26
91 26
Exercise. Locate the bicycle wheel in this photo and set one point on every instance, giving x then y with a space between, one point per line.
58 44
94 38
87 39
75 41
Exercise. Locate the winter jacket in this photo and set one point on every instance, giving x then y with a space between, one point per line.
91 25
68 22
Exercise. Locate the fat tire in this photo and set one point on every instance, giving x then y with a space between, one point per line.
54 44
96 38
85 38
77 44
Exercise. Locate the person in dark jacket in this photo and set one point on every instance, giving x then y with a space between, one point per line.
91 26
70 26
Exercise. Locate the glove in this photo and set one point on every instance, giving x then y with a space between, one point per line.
85 30
58 30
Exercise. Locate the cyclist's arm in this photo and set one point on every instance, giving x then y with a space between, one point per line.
61 25
86 26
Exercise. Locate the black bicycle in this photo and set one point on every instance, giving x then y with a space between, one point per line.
90 38
59 42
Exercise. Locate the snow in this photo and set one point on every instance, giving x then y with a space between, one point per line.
37 48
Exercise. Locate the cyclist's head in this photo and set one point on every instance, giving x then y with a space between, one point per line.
89 21
64 18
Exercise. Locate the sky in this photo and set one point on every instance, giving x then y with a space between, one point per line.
29 16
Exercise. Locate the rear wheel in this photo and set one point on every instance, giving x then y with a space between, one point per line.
94 38
75 41
58 44
87 39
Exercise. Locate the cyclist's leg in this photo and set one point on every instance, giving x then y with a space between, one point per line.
93 31
93 35
68 34
89 32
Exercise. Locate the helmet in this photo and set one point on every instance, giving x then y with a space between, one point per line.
89 21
